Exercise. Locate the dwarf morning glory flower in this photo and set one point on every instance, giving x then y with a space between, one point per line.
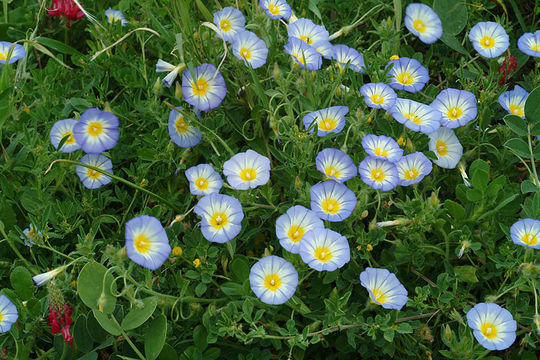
42 279
416 116
307 31
273 280
303 54
181 132
526 232
378 95
163 66
203 180
493 326
294 224
97 131
325 48
384 288
207 90
31 234
378 173
332 201
529 43
345 55
60 130
146 242
114 16
229 22
445 144
408 74
382 147
325 250
489 39
413 168
336 165
8 314
17 53
513 101
249 48
221 217
247 170
276 9
423 22
92 179
457 107
329 120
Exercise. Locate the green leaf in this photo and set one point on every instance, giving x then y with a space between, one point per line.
200 336
204 11
532 110
466 273
107 323
21 281
456 210
82 338
453 15
137 316
527 187
168 353
90 287
154 337
313 7
516 124
479 171
518 146
240 268
231 288
57 46
453 43
90 356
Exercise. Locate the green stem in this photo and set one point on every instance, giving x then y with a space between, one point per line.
16 251
139 354
533 165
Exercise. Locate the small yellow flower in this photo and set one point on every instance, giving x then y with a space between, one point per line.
73 283
359 247
401 141
197 262
369 247
26 110
359 112
369 120
143 183
177 251
394 57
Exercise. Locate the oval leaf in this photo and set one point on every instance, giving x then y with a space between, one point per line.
516 124
519 147
107 323
90 287
137 316
532 110
154 337
22 283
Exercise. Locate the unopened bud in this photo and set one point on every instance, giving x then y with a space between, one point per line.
102 301
297 183
107 107
178 91
434 200
158 85
277 71
448 333
364 214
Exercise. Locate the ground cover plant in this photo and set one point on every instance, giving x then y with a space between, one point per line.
311 179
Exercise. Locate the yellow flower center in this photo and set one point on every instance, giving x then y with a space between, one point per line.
380 152
377 175
272 282
323 254
535 47
201 183
411 174
274 10
181 125
327 124
404 78
442 148
248 174
93 174
330 206
332 171
113 19
142 244
245 53
394 57
95 128
489 330
419 26
295 233
487 42
306 39
3 57
218 220
454 113
529 239
415 119
516 110
379 296
70 140
377 99
225 25
200 87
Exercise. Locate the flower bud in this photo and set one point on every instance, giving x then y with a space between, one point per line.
177 251
158 85
448 333
178 91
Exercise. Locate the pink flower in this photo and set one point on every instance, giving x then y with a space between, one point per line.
66 8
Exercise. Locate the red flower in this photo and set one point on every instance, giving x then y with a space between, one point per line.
60 322
66 8
507 68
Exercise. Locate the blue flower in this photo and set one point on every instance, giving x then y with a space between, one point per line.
8 314
382 147
416 116
513 101
413 168
146 242
378 173
273 280
60 130
384 288
229 22
97 131
114 16
408 74
247 170
17 53
31 234
163 66
423 22
332 201
303 54
249 48
345 55
329 120
207 90
203 180
325 250
378 95
526 232
294 224
92 179
336 165
445 144
276 9
493 326
529 43
457 107
307 31
181 132
325 48
489 39
221 217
